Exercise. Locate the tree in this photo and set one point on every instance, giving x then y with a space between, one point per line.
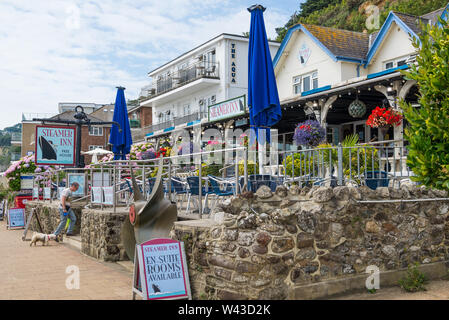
428 133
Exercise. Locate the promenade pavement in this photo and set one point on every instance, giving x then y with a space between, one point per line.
39 273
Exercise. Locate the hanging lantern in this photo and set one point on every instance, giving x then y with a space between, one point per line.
357 109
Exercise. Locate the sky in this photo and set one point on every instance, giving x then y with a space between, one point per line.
55 51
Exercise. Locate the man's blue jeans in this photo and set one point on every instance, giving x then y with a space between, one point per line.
71 216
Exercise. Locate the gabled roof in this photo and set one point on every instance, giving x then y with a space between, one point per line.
434 15
409 24
338 44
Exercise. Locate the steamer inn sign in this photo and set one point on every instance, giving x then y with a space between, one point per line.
227 109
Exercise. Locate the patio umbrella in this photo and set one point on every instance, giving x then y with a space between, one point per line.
95 153
263 98
121 140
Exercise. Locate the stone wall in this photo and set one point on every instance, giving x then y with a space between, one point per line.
270 245
99 230
100 235
49 216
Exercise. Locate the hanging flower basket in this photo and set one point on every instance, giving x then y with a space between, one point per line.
384 118
309 133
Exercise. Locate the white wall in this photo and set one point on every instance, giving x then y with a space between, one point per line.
226 89
396 44
329 71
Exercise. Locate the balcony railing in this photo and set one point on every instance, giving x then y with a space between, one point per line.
181 77
140 134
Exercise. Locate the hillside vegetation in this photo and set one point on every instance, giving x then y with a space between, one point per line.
352 14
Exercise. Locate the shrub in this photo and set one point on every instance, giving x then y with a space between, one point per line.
414 280
427 134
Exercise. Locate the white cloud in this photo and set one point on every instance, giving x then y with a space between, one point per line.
80 51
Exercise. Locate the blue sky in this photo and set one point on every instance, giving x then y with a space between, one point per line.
79 51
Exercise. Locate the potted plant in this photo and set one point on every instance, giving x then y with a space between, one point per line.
309 134
383 119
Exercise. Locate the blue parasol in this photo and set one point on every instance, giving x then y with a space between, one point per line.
121 140
263 98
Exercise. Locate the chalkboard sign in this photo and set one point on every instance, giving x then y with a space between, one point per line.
16 218
161 270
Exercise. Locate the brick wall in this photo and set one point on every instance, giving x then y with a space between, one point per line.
88 140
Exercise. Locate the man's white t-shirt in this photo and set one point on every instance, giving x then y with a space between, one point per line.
67 193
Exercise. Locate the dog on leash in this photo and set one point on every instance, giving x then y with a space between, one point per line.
42 237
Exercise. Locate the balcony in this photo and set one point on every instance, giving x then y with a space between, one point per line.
139 134
181 77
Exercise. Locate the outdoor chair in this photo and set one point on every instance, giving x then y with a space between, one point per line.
179 187
194 190
216 184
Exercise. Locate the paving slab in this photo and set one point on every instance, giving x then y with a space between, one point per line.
40 273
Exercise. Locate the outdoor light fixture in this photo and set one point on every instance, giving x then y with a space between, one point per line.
315 104
391 91
349 93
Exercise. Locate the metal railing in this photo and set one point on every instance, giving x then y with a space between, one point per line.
373 164
139 134
181 77
114 177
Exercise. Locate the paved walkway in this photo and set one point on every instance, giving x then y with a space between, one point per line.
40 272
436 290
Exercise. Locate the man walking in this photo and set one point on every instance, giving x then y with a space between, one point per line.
65 211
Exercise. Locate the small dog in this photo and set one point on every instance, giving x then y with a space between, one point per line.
42 237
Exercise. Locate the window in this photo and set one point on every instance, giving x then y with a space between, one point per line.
95 147
305 82
186 109
96 131
395 63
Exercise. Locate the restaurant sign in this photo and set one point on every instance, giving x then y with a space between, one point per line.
227 109
55 145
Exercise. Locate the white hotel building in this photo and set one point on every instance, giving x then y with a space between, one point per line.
183 89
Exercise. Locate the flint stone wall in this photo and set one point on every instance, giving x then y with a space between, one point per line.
101 235
267 245
49 216
100 231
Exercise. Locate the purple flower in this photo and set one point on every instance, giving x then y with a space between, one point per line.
309 133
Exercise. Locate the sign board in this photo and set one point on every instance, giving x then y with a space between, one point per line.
108 193
26 182
55 145
97 194
16 218
304 54
2 210
35 193
227 109
161 270
96 180
60 189
81 179
47 193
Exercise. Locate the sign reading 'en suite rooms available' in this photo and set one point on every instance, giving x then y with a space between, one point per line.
227 109
55 145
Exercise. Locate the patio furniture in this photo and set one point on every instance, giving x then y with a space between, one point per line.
216 184
194 190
